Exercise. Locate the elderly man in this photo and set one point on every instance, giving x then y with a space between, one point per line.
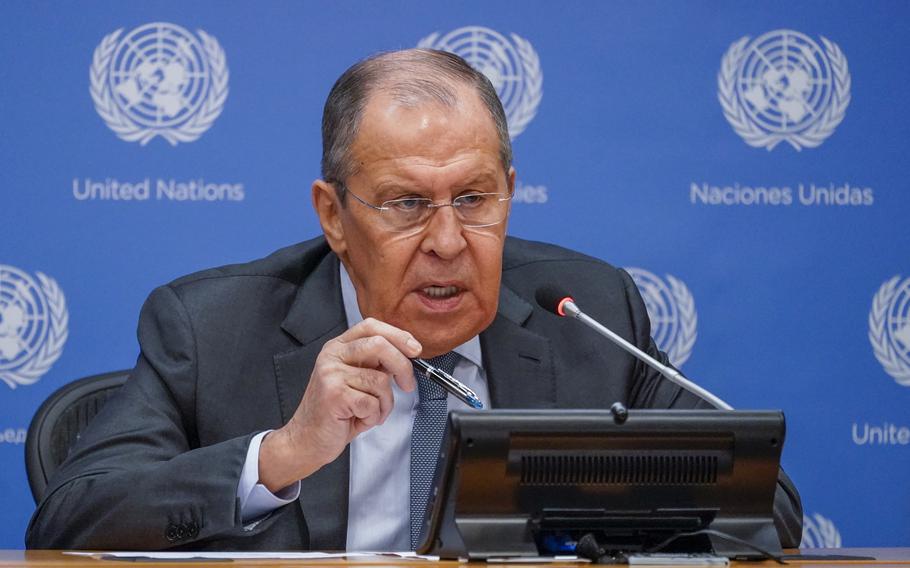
274 404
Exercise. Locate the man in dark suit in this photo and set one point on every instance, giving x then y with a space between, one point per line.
265 412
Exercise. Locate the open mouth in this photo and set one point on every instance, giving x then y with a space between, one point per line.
440 292
441 298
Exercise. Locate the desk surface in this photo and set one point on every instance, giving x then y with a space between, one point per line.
56 559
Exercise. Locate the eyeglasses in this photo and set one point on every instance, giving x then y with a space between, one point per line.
473 210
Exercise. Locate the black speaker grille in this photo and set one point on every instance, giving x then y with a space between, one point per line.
623 469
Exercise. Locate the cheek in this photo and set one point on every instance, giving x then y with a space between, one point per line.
384 260
488 298
392 256
488 260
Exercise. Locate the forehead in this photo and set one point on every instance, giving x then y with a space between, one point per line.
426 136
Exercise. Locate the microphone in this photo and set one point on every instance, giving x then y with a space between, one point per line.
558 301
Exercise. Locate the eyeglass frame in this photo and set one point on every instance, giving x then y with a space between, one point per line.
430 205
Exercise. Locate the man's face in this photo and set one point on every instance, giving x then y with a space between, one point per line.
441 283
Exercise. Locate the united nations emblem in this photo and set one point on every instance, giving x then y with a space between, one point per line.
782 86
33 325
819 532
512 66
159 80
671 310
889 328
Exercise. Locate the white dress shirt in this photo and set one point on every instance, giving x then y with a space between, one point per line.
379 489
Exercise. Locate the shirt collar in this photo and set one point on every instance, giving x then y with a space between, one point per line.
470 349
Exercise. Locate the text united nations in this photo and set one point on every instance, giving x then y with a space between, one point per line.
88 189
809 194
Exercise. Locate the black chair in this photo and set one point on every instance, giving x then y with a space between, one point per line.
59 421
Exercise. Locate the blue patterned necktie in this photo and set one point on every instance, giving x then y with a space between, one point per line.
426 438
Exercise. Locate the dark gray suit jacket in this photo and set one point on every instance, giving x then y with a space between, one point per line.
227 352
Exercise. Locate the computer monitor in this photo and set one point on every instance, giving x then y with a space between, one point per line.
532 482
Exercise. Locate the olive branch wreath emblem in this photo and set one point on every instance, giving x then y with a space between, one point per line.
680 345
681 349
126 129
882 347
50 350
755 136
532 86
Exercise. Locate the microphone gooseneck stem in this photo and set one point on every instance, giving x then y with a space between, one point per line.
672 374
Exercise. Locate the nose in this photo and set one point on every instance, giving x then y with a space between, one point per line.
444 234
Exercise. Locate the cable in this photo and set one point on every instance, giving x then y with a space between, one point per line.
729 537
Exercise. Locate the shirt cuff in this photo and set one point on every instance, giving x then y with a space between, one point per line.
255 498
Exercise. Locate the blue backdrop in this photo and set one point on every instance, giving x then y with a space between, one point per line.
748 160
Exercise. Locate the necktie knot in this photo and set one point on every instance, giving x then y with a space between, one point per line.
428 389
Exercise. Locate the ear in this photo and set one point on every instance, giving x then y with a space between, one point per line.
510 181
328 208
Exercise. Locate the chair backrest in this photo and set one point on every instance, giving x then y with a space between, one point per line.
60 420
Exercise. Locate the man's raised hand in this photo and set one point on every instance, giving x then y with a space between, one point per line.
349 392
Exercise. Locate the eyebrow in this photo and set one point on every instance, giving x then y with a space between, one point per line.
481 178
396 188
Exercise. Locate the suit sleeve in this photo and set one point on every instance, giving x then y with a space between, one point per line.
651 390
138 479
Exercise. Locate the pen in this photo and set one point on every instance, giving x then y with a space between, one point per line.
450 383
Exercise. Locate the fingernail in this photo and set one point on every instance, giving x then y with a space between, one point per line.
414 345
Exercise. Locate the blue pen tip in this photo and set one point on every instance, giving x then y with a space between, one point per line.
474 402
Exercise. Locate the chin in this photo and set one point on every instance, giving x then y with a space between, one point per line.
438 339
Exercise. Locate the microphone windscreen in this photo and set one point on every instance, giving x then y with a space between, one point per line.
550 296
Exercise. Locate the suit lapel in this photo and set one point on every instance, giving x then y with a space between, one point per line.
518 362
316 316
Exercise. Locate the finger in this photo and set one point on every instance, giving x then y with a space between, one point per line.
376 352
362 406
375 383
401 339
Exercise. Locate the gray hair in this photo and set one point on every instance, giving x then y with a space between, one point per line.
411 77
